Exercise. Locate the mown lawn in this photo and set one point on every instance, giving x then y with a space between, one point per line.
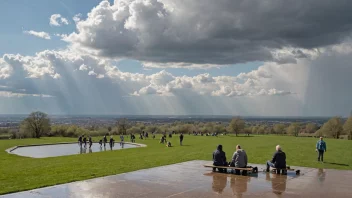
21 173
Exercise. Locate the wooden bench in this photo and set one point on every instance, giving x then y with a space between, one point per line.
287 169
249 169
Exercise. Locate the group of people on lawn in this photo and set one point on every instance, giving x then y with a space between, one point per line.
240 160
168 143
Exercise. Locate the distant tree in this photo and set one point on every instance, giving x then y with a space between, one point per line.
122 125
347 127
319 133
333 127
294 129
109 129
219 128
255 129
261 129
279 128
151 129
236 125
269 130
37 124
247 130
311 128
134 130
209 127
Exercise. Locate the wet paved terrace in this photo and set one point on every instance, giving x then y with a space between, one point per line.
191 179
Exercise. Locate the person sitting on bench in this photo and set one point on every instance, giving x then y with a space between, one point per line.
219 159
278 161
239 160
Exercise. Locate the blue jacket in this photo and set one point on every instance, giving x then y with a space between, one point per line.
321 145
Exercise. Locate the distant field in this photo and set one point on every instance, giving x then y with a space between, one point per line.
22 173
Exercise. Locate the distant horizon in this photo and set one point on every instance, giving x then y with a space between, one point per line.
189 115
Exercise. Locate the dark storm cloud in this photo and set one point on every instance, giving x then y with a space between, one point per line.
212 32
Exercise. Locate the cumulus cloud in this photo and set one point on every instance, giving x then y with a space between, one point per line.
77 17
43 35
82 83
83 67
177 33
163 83
48 64
58 20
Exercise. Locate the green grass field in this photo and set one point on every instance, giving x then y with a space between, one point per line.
22 173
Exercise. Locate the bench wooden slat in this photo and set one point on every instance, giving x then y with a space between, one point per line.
289 169
228 167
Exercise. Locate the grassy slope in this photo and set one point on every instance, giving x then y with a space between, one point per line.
22 173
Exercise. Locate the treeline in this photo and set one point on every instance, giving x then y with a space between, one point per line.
38 124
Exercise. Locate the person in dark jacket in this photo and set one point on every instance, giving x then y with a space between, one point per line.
219 159
85 141
90 141
320 148
105 140
181 139
80 141
133 138
112 142
278 161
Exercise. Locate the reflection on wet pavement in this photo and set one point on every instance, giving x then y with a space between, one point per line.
64 149
191 179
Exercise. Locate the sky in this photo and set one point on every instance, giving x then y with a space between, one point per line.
176 57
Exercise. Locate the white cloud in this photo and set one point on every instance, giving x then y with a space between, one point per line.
83 67
43 35
302 88
58 20
5 69
9 94
92 73
77 17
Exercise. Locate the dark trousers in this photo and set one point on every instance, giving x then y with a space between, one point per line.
222 170
321 155
238 172
278 170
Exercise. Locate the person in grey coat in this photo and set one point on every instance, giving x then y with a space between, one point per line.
240 160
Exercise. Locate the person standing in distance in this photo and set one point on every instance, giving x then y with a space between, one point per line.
320 148
181 139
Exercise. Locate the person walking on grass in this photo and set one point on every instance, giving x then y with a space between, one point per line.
85 141
80 141
320 148
90 141
105 140
181 139
122 138
112 142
